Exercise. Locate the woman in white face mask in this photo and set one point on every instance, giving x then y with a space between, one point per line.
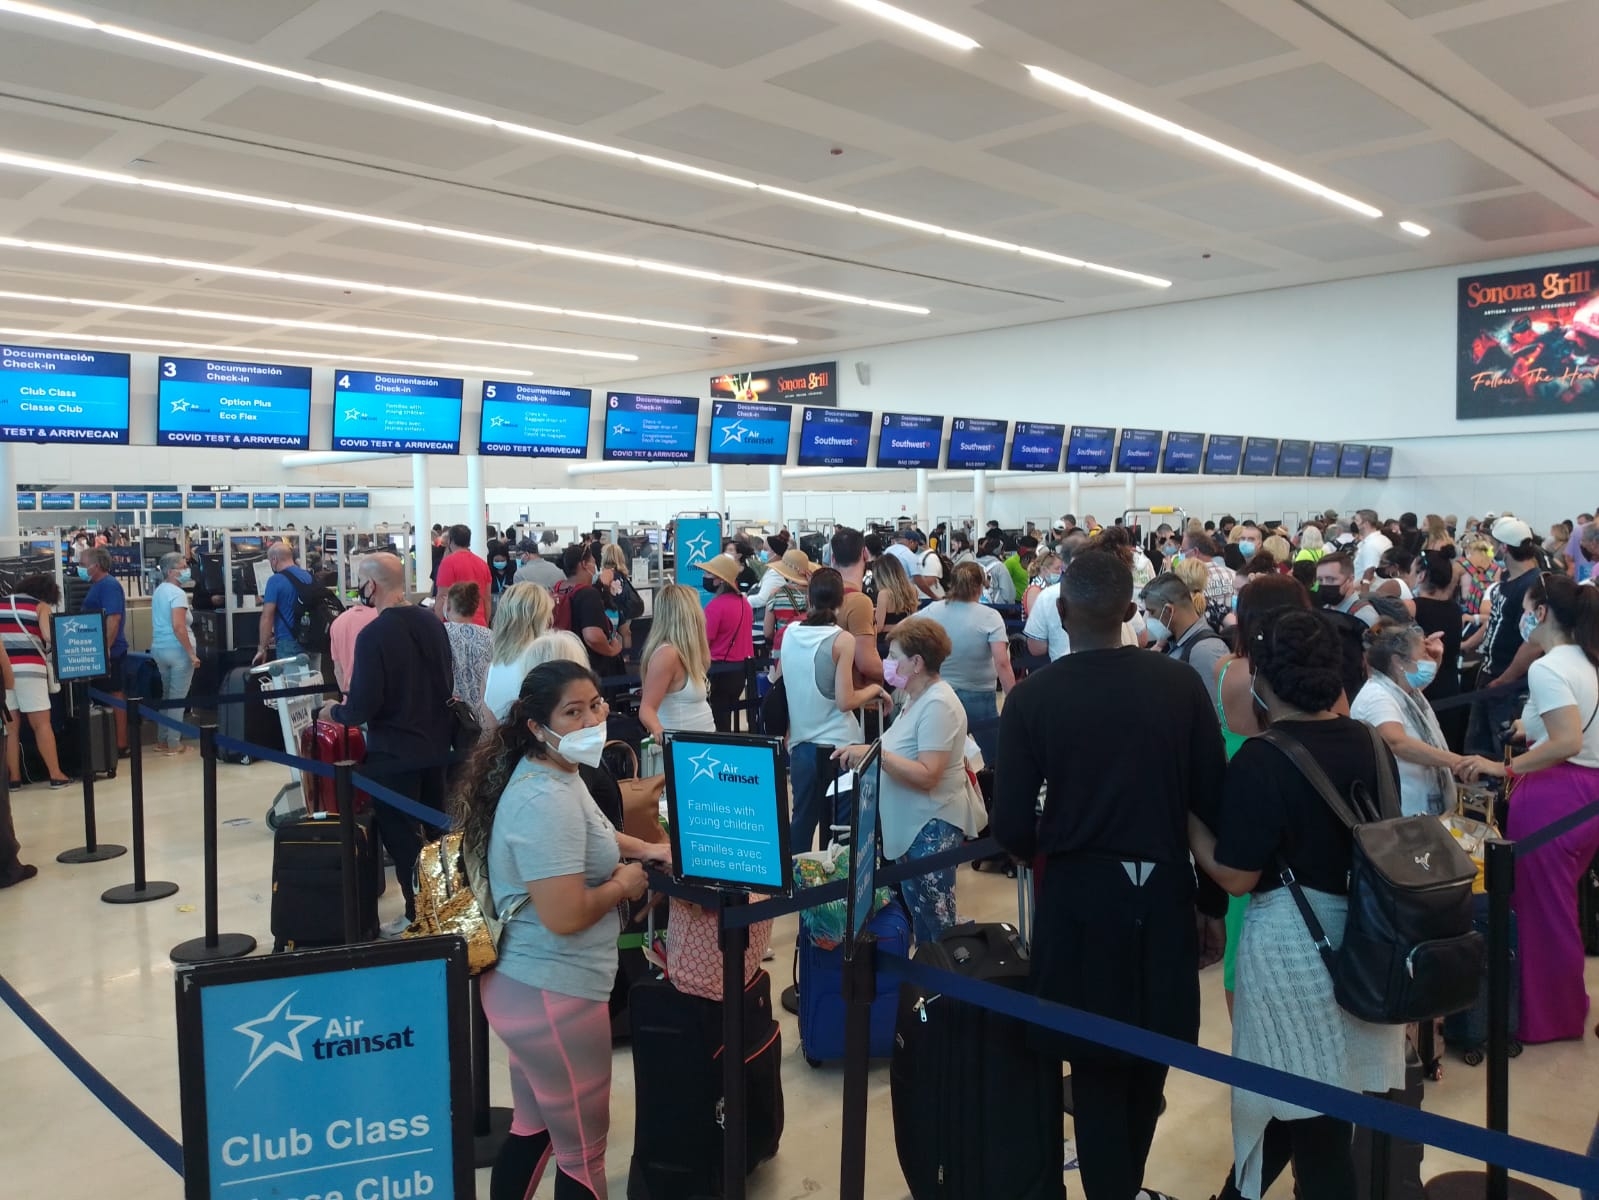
1400 662
172 642
557 876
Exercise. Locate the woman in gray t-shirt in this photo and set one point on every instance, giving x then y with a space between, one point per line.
557 876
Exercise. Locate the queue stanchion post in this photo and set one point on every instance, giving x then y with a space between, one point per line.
735 943
349 881
141 889
860 989
1494 1183
214 945
92 849
491 1125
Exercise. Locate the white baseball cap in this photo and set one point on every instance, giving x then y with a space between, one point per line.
1512 531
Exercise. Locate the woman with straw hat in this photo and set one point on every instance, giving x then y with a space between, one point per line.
787 603
730 627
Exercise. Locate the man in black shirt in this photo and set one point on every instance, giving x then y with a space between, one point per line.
400 683
587 585
1116 932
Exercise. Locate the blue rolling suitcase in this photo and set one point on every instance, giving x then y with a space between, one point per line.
820 976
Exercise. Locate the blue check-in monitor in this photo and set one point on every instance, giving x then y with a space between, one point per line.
266 499
58 501
1352 460
202 500
406 414
325 499
749 433
133 501
27 501
909 440
727 809
1138 452
834 437
235 500
1089 448
49 395
534 420
1323 460
640 428
203 402
1184 453
166 501
976 444
1379 462
1293 460
1223 454
1036 446
357 499
1260 456
296 499
94 501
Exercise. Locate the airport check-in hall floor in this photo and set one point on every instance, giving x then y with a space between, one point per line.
100 974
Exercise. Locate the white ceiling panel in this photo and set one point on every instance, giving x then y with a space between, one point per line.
347 264
1342 241
395 246
1307 110
26 129
238 21
1083 235
366 132
1067 286
1152 42
192 243
1194 266
16 185
246 224
908 89
709 254
612 187
1241 206
1103 158
1425 8
280 175
75 67
721 33
531 219
799 227
1582 128
1420 174
506 77
937 196
1540 56
1504 217
979 302
750 146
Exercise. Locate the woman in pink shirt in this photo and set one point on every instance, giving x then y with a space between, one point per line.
730 627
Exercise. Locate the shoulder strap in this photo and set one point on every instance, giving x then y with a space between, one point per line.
1387 789
1314 775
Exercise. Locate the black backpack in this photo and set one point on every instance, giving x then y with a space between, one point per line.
315 610
1185 652
1409 952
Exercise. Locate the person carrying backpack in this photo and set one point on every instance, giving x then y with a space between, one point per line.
294 607
1347 614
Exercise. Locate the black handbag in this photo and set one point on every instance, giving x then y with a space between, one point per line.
1410 952
467 727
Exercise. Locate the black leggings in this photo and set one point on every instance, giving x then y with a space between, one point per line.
725 691
1319 1147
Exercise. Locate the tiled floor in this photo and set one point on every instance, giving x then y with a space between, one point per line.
100 974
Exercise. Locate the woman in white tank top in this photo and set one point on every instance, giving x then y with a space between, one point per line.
677 661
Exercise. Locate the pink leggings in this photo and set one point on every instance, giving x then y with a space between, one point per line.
560 1050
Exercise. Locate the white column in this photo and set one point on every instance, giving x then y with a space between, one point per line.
476 517
1074 497
420 517
1130 482
979 504
924 512
8 490
719 490
774 489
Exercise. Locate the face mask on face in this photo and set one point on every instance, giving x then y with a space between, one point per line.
364 594
711 583
185 576
1529 622
501 563
1159 631
1423 673
1247 549
1326 595
1051 578
766 556
584 745
894 673
83 572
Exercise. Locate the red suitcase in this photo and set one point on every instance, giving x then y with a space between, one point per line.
329 742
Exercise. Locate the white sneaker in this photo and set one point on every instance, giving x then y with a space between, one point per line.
394 928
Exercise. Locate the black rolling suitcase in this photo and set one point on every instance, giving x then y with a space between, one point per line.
1588 908
308 882
252 720
677 1082
1467 1032
101 756
1404 1158
977 1114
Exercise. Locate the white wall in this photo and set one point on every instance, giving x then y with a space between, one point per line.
1360 360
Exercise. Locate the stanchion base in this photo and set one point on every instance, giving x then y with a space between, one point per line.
229 945
1473 1185
127 893
486 1146
100 853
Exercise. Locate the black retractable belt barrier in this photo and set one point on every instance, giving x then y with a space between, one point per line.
91 850
141 889
349 881
213 945
490 1125
860 989
735 942
1496 1184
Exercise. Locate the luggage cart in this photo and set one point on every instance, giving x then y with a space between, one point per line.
295 714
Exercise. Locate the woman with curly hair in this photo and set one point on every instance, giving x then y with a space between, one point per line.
556 873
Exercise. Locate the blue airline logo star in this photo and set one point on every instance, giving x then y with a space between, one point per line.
354 414
699 548
182 406
618 429
734 433
276 1033
704 765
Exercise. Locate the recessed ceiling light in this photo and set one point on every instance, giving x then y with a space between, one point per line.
347 286
481 120
376 331
28 162
915 24
1200 141
1415 230
58 335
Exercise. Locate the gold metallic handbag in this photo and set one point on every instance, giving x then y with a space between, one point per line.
453 896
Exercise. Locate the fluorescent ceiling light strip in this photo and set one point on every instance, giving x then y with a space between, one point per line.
1199 140
1414 229
48 335
360 285
48 166
408 335
915 24
517 129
